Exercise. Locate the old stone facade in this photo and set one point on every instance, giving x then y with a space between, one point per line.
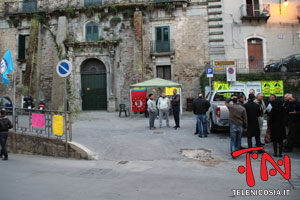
109 43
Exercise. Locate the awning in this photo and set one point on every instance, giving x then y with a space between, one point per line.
156 83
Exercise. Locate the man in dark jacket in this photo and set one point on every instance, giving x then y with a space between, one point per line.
293 121
200 107
5 124
175 101
253 113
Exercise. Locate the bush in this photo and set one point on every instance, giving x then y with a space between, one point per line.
102 16
70 12
114 21
128 13
106 28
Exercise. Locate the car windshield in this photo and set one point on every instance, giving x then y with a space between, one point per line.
224 96
6 101
288 58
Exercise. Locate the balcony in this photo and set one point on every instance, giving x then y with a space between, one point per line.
255 12
162 48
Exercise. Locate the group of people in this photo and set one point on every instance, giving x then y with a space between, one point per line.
283 120
162 106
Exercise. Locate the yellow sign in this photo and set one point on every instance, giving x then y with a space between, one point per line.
218 85
272 87
219 68
58 125
169 91
224 63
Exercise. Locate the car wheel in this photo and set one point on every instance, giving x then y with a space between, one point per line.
211 126
283 68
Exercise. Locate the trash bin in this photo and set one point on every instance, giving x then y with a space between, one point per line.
189 104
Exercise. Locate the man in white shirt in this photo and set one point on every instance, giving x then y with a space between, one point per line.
163 106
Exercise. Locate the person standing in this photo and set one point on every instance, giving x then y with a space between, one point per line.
175 101
253 113
237 121
163 106
286 114
277 126
294 120
262 107
152 111
200 107
268 110
5 124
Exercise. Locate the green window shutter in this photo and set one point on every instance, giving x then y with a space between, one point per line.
21 47
92 2
92 32
162 39
29 5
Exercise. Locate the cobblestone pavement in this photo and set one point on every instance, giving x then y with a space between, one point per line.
135 163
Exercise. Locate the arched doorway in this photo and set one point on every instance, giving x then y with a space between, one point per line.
255 54
93 85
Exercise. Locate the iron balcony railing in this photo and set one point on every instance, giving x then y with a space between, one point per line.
255 10
161 47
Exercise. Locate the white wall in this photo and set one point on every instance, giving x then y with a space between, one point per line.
279 33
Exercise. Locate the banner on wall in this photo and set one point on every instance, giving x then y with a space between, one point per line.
272 87
220 85
58 125
138 99
238 85
38 120
255 85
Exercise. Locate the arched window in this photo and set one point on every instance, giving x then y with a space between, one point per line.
91 31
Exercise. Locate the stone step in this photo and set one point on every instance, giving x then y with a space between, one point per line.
216 40
212 1
215 19
215 13
214 6
215 26
216 33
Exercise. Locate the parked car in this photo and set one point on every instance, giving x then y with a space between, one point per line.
5 102
288 64
218 113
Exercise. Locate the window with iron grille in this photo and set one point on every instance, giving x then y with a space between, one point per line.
163 72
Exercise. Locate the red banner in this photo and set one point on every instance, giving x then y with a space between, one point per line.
138 100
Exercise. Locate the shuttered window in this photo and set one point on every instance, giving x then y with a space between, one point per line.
22 47
92 32
164 72
92 2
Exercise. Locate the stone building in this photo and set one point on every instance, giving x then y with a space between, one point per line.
111 44
254 33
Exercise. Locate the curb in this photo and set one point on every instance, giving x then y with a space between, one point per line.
84 151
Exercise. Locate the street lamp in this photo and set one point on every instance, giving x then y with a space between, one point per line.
285 3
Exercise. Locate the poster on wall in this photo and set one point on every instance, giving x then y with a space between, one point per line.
238 86
272 87
256 86
220 85
169 91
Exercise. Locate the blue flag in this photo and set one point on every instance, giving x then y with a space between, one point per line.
6 67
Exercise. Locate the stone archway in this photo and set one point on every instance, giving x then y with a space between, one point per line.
93 85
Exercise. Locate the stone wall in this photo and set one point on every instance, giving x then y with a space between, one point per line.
37 145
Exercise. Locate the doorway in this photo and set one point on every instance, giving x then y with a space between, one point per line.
255 55
93 85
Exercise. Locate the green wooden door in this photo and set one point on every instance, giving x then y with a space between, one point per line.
94 94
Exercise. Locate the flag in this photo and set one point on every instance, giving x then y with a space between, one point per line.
6 67
138 99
